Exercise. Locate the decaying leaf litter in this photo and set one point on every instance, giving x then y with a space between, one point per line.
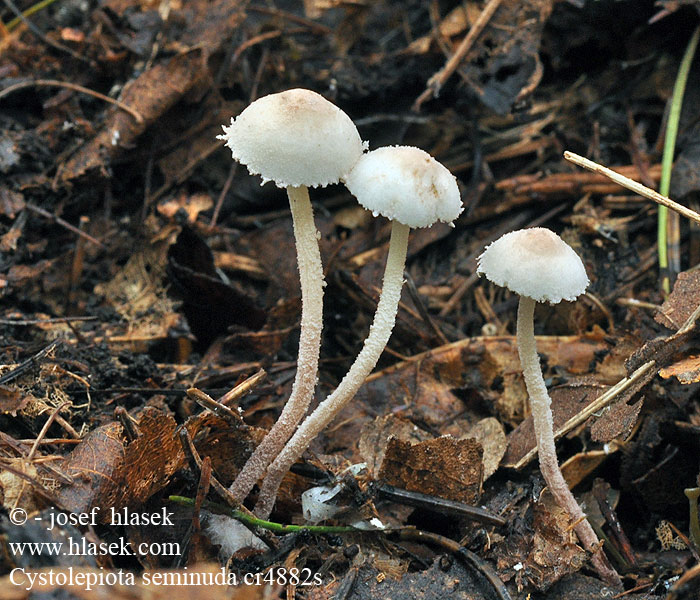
137 262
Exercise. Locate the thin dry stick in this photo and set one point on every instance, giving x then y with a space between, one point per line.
631 184
44 429
436 82
243 388
220 410
46 214
222 196
35 446
71 86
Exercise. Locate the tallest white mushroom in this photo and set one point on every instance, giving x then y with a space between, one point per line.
298 140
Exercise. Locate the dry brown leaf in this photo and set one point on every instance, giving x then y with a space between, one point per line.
686 370
16 491
12 400
315 8
153 457
681 302
582 464
375 436
138 294
422 389
229 446
97 468
11 202
617 421
443 467
567 401
151 94
490 434
454 23
108 472
502 363
554 550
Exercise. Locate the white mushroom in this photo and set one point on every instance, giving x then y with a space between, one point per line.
539 266
296 139
412 189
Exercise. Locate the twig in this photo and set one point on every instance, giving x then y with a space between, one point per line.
38 488
682 588
600 491
71 86
632 185
409 533
222 195
49 441
76 269
131 430
62 223
44 429
30 362
420 305
268 35
220 410
40 34
625 384
67 427
598 303
243 388
436 82
45 321
202 491
317 28
435 504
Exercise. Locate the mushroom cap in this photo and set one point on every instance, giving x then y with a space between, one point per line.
405 184
535 263
294 138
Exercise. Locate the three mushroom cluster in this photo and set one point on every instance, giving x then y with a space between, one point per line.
299 140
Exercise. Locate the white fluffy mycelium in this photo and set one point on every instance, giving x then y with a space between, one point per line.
294 138
405 184
535 263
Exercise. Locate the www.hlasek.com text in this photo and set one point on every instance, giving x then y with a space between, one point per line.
82 547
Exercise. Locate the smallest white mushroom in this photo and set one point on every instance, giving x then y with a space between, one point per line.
412 189
539 266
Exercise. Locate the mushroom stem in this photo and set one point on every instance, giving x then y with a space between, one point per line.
311 277
380 331
540 405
